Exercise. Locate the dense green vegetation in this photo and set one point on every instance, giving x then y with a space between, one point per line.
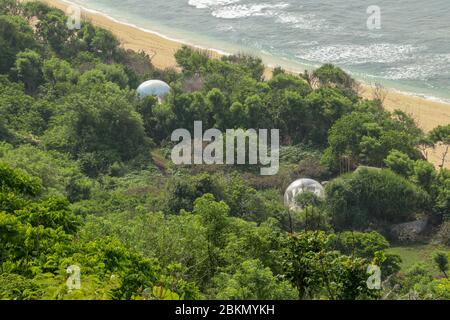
86 180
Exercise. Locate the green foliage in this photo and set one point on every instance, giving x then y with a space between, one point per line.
444 233
372 197
191 60
56 71
58 173
367 138
213 216
175 239
315 270
17 181
329 75
400 163
363 244
239 99
418 283
52 213
28 69
29 225
15 36
306 199
98 128
36 246
442 193
18 114
114 73
9 7
252 281
368 245
423 174
183 191
441 260
243 200
419 171
281 82
325 107
105 42
440 134
52 29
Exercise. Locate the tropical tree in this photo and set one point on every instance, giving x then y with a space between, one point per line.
28 69
441 136
441 260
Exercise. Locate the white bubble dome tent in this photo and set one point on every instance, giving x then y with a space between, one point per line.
299 186
156 88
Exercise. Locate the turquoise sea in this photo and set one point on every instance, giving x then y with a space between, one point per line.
410 51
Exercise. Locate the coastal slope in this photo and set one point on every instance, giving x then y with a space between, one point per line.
427 113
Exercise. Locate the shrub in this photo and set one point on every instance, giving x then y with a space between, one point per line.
373 197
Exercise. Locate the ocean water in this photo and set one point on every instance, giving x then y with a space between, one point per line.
410 50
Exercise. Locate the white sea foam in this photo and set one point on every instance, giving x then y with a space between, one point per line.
204 4
430 66
303 43
251 10
351 54
225 27
302 21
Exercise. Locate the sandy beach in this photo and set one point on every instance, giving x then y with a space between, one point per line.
427 113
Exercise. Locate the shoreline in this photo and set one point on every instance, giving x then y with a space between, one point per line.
94 15
88 11
427 112
269 61
160 47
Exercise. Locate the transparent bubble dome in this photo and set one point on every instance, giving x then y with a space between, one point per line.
156 88
299 186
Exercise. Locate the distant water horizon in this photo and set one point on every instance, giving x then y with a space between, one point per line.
410 52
